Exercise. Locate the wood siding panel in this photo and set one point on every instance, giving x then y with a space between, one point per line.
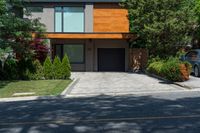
110 18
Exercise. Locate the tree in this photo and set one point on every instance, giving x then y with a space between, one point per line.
40 49
163 26
66 68
16 34
39 72
196 36
57 68
15 31
48 71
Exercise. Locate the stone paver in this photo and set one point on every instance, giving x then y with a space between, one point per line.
118 83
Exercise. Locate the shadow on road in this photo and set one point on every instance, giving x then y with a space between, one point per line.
106 114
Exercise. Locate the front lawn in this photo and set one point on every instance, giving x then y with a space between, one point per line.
39 87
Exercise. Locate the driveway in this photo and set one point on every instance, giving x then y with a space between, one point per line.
108 83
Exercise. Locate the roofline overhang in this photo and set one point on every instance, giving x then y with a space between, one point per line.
106 35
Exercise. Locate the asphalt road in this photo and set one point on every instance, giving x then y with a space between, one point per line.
173 112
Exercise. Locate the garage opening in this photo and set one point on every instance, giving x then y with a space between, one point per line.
111 59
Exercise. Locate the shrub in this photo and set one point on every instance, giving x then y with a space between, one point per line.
48 72
169 68
155 67
57 68
25 68
66 68
10 70
188 66
39 73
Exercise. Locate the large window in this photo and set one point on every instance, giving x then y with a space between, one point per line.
75 52
69 19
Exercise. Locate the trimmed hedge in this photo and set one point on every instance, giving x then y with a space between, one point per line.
48 70
169 69
57 68
66 68
34 70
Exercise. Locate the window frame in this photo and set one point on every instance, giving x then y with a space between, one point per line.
62 18
35 7
62 51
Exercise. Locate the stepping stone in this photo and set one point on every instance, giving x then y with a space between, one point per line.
24 94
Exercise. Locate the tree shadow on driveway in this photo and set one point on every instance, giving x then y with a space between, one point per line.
106 114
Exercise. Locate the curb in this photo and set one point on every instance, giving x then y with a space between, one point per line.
30 98
167 81
69 88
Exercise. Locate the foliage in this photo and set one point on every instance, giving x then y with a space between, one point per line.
66 68
2 6
163 26
4 55
16 37
57 68
9 72
40 49
38 73
155 67
25 67
180 53
196 34
168 68
48 71
171 70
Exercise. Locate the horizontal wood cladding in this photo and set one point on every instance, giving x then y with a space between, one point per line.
91 36
110 18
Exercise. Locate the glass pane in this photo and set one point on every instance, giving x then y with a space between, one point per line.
58 51
73 18
58 22
58 9
75 53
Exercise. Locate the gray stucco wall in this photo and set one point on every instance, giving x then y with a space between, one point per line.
46 17
89 17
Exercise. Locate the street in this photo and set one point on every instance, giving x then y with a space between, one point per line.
169 112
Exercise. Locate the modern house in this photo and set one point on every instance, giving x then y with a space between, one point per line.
93 33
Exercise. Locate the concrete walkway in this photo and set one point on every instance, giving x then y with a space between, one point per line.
108 83
193 83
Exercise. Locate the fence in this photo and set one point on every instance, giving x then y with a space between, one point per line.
138 59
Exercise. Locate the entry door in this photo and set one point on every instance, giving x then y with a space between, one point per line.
111 59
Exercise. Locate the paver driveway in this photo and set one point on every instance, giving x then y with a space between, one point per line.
108 83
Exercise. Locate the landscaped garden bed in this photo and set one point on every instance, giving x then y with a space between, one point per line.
37 87
171 69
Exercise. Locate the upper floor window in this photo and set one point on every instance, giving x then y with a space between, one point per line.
69 19
34 9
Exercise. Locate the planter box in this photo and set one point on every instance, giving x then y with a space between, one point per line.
185 72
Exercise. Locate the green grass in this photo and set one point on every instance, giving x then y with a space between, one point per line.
40 87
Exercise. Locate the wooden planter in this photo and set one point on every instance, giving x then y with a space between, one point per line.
185 73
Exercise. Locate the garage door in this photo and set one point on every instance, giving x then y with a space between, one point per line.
111 59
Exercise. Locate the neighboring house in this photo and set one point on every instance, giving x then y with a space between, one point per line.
94 33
